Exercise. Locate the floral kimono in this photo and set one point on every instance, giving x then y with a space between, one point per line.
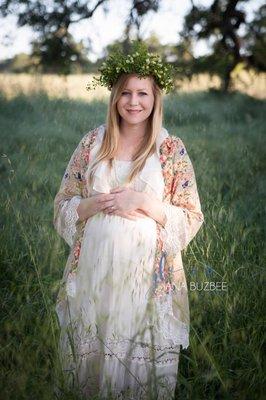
168 173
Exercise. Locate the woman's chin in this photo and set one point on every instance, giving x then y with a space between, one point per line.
133 119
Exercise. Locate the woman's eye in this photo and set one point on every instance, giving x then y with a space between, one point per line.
141 93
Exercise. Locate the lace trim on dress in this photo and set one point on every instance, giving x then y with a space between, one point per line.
164 321
71 288
171 327
89 345
70 217
175 228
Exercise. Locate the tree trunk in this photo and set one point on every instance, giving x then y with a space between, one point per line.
226 83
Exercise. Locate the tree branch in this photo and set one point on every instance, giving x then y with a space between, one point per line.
88 14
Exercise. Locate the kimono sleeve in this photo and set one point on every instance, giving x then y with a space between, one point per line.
69 196
183 215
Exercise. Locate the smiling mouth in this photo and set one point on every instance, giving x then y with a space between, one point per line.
134 111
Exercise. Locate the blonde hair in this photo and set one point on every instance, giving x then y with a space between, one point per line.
110 141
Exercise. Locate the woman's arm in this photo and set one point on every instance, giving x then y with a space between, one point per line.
182 217
69 195
153 208
183 214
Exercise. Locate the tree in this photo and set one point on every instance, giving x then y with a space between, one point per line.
220 24
255 40
55 47
139 9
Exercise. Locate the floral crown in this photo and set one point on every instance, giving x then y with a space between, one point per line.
139 61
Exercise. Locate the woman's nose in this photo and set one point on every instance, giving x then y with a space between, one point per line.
134 100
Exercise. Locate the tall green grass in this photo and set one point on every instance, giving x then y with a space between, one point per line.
224 136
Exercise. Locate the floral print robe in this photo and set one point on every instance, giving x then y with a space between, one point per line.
184 218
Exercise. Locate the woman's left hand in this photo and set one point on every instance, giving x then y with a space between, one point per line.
126 200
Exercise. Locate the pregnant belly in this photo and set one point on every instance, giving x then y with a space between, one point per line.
121 231
117 256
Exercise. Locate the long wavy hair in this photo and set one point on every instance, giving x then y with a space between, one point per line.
109 146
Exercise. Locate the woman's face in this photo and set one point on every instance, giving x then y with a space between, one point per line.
136 100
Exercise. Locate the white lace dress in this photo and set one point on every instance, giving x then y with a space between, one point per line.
122 342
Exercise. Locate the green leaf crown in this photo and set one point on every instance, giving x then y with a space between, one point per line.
139 61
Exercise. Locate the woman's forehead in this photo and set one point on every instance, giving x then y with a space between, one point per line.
134 82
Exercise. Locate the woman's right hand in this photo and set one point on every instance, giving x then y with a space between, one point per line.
94 204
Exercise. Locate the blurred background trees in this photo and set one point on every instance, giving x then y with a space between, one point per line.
220 24
55 49
234 43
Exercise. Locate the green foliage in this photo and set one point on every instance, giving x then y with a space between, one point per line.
221 24
138 61
59 53
54 47
19 63
224 136
255 40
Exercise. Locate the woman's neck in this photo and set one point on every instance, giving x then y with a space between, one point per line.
131 138
132 133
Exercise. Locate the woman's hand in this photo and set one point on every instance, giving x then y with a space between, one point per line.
126 200
133 215
94 204
104 202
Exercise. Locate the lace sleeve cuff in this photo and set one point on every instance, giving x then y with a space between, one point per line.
175 228
69 218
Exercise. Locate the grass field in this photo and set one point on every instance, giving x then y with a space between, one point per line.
74 86
224 136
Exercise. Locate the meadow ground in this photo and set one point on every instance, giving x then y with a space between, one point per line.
224 136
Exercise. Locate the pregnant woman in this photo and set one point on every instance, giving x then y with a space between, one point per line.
127 206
